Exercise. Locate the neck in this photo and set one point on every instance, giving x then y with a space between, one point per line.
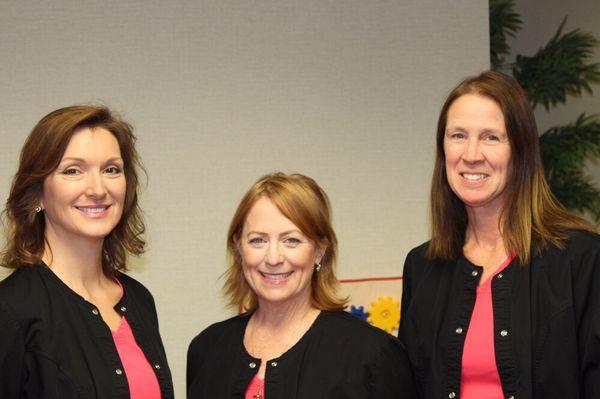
277 315
484 229
77 262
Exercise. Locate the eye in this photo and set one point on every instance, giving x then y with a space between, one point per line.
257 241
457 135
71 171
292 242
492 137
113 170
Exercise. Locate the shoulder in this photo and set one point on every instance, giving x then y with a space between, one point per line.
133 287
418 253
347 329
583 241
223 332
21 283
580 245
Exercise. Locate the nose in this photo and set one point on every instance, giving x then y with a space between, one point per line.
273 257
472 152
95 185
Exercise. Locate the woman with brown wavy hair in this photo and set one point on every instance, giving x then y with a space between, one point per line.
293 340
72 325
504 300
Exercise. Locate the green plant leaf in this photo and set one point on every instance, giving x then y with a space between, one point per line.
504 21
562 68
567 148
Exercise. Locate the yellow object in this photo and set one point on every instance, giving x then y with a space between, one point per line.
385 313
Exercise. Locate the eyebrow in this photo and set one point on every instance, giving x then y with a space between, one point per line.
462 129
81 160
282 234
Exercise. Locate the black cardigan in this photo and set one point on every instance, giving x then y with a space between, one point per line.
55 345
339 357
546 322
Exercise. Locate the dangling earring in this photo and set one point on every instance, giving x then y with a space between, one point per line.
317 267
38 209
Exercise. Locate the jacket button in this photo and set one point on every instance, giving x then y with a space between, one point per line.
459 330
123 309
273 364
504 333
451 395
95 312
474 273
157 366
511 397
119 371
252 365
499 276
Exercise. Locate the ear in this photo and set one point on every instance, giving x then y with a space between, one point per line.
320 253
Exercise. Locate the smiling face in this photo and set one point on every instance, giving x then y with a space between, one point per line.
277 258
83 198
477 152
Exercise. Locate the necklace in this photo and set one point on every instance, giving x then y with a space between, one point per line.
257 395
258 344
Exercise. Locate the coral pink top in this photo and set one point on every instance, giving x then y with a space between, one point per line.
256 388
142 381
479 376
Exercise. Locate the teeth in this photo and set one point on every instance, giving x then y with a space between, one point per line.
92 210
276 276
473 176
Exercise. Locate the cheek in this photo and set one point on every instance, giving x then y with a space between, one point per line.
251 257
119 190
303 259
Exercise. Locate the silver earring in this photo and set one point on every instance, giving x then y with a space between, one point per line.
38 209
317 267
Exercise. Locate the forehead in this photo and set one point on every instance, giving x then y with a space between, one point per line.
92 142
475 109
265 216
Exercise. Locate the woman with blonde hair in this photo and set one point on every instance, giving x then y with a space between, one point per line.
72 324
504 300
293 339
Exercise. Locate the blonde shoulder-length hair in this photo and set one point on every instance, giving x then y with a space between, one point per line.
300 199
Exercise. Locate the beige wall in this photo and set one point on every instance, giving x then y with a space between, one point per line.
221 92
541 19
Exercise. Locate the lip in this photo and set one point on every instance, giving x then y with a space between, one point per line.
93 211
275 278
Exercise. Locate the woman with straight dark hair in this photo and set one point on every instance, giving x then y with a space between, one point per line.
293 339
72 325
504 300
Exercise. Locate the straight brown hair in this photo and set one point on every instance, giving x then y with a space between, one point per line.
40 156
532 218
300 199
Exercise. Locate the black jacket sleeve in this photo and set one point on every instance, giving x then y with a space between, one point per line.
586 297
12 352
392 376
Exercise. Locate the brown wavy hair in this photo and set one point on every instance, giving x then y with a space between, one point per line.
40 156
532 218
300 199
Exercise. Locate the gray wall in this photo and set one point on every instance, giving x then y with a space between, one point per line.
221 92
